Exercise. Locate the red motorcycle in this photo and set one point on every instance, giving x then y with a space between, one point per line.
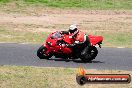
54 47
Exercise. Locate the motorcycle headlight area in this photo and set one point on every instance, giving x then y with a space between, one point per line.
76 41
49 43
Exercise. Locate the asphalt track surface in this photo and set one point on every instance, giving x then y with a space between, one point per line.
25 55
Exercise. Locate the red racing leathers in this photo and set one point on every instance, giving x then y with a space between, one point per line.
80 38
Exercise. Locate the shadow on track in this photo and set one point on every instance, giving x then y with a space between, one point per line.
74 60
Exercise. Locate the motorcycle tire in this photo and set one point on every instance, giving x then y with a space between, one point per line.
94 52
90 55
40 53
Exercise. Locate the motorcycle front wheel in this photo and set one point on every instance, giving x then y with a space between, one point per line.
41 53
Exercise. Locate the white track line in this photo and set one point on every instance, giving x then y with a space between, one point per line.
120 47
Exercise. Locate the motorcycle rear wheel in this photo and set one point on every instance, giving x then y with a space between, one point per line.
41 53
90 55
94 52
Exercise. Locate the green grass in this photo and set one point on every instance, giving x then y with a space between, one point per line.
33 77
111 39
46 77
4 1
91 4
21 36
118 39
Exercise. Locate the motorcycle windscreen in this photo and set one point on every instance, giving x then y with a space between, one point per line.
56 35
52 39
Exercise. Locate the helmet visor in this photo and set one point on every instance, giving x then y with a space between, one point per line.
72 31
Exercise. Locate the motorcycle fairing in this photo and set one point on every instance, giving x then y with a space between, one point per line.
95 39
53 46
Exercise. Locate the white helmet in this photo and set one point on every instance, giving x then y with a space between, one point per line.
73 28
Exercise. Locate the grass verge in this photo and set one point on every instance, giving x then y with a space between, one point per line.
116 39
111 39
91 4
22 36
45 77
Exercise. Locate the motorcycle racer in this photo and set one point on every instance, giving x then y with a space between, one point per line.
79 38
71 44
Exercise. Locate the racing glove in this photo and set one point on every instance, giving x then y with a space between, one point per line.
63 45
70 45
65 32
